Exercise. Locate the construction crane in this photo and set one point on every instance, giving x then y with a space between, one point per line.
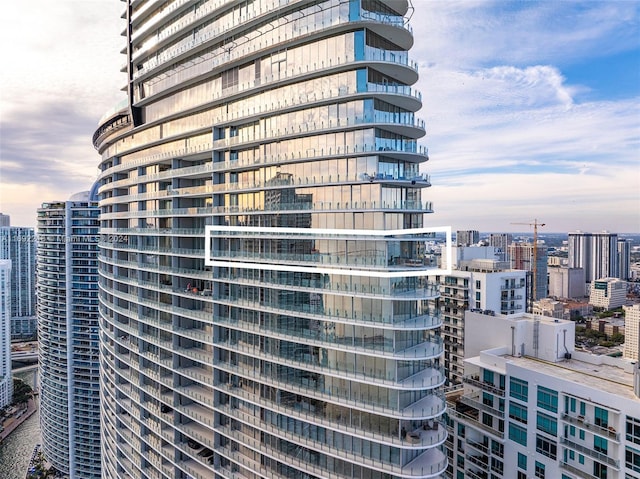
535 225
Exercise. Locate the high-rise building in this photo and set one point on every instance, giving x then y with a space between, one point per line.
631 332
566 282
521 256
67 277
624 259
279 137
18 244
467 237
544 411
478 281
6 379
596 253
501 241
5 220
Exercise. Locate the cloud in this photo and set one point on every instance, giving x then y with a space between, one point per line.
509 136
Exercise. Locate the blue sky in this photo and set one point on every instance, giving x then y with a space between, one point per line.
532 108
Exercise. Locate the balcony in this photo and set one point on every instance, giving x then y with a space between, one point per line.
609 432
475 381
589 451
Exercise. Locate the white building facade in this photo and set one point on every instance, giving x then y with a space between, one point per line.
67 278
631 348
559 415
478 282
608 293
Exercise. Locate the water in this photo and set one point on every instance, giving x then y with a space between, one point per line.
15 450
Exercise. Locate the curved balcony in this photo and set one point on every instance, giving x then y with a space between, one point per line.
434 377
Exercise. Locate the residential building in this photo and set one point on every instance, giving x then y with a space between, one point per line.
264 303
597 253
565 282
478 281
631 348
608 293
624 259
523 256
18 244
467 237
532 406
5 220
501 242
67 277
6 379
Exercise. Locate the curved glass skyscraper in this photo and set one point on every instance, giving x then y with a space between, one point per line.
264 305
67 281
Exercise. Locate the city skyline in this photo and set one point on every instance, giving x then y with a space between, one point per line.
496 78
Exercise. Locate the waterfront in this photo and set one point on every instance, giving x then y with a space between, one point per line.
16 450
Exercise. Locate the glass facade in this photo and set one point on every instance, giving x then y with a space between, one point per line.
67 281
280 137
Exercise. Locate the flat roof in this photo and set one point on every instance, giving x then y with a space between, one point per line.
605 377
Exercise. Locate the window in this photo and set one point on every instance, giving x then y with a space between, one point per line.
487 376
478 284
497 448
546 447
502 378
518 434
580 458
497 465
581 434
601 417
518 389
583 408
547 399
522 461
517 412
600 444
633 430
599 470
547 424
522 475
487 399
461 430
539 471
572 431
632 459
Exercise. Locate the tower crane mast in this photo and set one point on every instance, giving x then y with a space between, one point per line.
535 225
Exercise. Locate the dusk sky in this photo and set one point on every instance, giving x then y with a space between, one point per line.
532 108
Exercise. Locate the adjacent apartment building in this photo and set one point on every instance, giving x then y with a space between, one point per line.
67 279
280 139
478 282
6 379
542 410
18 244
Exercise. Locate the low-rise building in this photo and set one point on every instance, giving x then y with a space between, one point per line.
608 293
532 406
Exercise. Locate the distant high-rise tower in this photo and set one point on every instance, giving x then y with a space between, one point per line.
521 257
467 237
6 380
18 244
5 220
67 276
624 259
280 139
502 242
596 253
632 332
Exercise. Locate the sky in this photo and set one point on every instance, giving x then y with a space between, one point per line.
532 108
